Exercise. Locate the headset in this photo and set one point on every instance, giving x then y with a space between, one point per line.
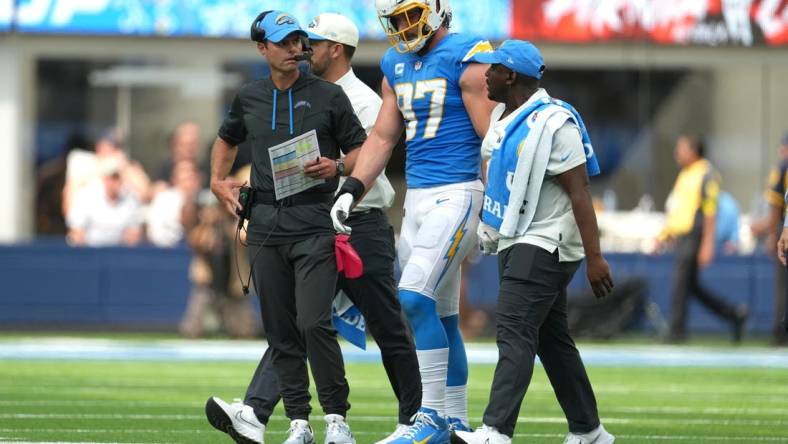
257 34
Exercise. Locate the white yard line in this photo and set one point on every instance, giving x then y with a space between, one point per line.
668 438
367 418
4 439
633 438
185 350
666 410
84 431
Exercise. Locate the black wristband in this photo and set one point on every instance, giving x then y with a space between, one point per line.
353 186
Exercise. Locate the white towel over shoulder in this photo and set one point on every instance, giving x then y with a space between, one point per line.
526 182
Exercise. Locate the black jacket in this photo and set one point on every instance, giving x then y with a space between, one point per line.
265 117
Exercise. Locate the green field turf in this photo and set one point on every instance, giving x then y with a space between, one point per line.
162 402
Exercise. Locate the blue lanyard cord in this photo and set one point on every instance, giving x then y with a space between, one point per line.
290 108
273 112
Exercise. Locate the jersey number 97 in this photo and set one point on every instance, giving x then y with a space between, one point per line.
408 93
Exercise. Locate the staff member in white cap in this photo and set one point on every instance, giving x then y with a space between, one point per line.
334 39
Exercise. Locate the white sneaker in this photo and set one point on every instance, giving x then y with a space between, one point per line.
483 435
337 430
300 433
398 433
237 420
597 436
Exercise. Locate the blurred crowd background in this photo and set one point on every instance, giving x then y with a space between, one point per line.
108 109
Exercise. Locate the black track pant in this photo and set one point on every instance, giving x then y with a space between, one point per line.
686 282
532 320
296 286
375 294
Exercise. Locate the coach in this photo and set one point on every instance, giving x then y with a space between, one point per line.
291 240
334 39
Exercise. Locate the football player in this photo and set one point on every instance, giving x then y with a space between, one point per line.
432 91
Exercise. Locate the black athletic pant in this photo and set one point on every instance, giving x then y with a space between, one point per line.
295 283
686 282
531 320
780 329
785 301
375 295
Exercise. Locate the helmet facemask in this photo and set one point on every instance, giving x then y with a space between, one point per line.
398 38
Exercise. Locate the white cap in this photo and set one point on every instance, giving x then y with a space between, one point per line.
334 27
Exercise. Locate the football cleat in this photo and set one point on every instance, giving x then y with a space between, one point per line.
237 420
428 428
456 425
398 432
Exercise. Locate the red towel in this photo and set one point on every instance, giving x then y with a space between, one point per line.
348 260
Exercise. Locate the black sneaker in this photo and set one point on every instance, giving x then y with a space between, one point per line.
675 339
742 313
779 336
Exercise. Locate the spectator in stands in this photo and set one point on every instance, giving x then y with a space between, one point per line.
213 289
82 169
769 228
173 211
105 213
691 221
50 181
184 144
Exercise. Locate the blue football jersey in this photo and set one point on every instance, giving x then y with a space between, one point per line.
442 147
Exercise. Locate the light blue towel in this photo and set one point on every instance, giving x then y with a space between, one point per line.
504 161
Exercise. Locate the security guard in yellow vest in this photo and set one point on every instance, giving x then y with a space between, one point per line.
691 212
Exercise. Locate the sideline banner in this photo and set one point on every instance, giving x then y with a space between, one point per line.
6 12
665 22
489 19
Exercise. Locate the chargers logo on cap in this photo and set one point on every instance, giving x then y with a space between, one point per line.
315 23
285 19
